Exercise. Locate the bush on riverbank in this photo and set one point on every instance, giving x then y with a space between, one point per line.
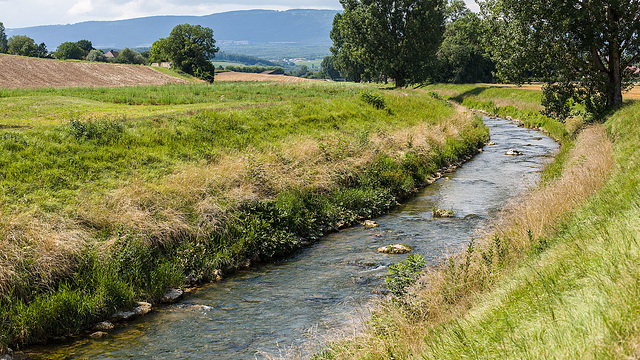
100 212
557 278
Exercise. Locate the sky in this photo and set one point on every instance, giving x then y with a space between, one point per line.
24 13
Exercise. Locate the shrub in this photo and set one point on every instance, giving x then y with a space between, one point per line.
376 100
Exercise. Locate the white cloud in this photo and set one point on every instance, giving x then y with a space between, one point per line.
81 7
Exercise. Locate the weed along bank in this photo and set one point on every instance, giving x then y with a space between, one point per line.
146 189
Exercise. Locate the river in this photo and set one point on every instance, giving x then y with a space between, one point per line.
292 307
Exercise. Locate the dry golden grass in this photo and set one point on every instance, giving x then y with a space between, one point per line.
442 296
587 169
49 246
210 189
36 246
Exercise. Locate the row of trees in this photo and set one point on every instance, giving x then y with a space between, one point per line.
189 47
409 42
582 50
20 45
81 50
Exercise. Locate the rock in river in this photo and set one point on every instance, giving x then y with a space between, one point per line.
172 295
513 152
370 224
395 249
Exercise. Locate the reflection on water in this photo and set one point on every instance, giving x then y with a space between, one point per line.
296 303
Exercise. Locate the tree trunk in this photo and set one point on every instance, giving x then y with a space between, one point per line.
614 88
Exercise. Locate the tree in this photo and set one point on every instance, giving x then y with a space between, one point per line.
86 46
22 45
344 54
3 40
580 49
190 48
96 55
42 50
395 39
69 50
328 68
128 56
462 57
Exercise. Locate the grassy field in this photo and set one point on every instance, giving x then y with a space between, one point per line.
111 196
557 278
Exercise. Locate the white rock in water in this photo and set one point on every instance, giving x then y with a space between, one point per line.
395 249
513 152
370 224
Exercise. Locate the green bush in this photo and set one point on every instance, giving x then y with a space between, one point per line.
404 274
374 99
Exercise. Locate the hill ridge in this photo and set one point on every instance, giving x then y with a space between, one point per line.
301 27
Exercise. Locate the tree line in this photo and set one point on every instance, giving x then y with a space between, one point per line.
583 51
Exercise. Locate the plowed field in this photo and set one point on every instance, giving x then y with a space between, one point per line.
238 76
29 73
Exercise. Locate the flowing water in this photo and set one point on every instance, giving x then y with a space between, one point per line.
294 305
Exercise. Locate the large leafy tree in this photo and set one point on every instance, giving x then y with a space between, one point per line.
582 49
22 45
69 51
395 39
3 39
128 56
190 48
462 57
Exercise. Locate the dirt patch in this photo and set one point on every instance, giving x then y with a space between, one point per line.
238 76
30 73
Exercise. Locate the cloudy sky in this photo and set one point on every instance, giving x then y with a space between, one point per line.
23 13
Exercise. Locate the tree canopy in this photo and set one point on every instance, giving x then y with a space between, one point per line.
190 48
128 56
22 45
69 51
388 39
96 55
581 49
3 39
462 57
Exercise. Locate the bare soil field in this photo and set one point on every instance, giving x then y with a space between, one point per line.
238 76
30 73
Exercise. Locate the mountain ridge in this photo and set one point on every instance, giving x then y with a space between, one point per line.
297 27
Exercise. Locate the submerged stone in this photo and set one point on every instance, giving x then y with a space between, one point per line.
172 295
104 326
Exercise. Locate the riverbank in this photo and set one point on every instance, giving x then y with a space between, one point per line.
558 276
190 181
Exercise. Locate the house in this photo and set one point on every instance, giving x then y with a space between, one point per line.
111 54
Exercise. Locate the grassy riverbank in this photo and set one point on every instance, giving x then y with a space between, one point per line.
558 278
111 196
